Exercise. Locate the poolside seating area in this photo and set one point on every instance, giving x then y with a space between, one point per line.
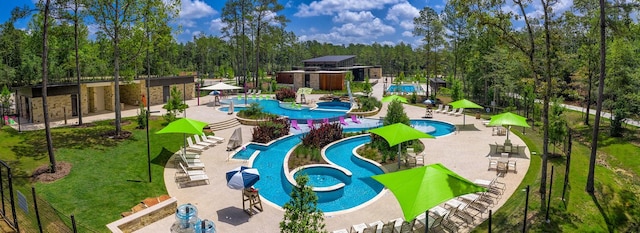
454 215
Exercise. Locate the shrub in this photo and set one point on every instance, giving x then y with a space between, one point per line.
413 98
366 104
323 135
254 111
142 117
285 93
270 130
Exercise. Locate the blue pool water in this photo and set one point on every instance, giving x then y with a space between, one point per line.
404 88
334 105
273 106
358 189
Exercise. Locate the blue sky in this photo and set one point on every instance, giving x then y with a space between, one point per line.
332 21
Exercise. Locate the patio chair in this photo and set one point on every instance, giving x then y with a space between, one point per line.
193 146
204 139
459 113
342 121
310 124
192 164
388 227
214 138
374 227
239 96
354 119
397 224
258 93
407 227
294 124
358 228
439 108
493 164
198 140
411 161
453 110
444 110
462 210
191 175
511 166
341 231
420 159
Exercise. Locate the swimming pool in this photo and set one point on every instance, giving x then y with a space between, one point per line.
358 187
408 88
274 106
334 105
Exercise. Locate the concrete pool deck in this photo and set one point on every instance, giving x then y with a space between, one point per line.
463 152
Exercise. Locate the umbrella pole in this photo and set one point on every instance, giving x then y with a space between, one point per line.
426 221
399 154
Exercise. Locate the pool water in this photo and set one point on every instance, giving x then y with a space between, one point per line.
273 106
319 180
334 105
408 88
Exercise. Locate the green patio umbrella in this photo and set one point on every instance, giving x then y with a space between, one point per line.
508 119
184 126
398 133
464 103
422 188
394 97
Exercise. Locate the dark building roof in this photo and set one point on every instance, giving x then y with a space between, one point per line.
336 58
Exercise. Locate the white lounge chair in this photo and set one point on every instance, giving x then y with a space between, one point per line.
259 92
192 175
214 138
358 228
199 141
376 226
439 108
192 164
453 110
193 146
444 110
204 138
459 112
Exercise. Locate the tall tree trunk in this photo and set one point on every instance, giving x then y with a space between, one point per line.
116 65
75 36
547 96
256 82
45 110
244 54
586 118
596 123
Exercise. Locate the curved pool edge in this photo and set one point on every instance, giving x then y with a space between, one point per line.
289 174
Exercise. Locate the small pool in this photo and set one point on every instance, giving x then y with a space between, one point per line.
408 88
273 106
323 176
334 105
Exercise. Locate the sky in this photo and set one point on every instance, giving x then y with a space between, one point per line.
331 21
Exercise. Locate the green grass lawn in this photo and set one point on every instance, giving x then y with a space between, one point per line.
108 176
613 208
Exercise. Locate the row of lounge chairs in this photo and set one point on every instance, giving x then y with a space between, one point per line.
445 110
310 124
189 167
463 211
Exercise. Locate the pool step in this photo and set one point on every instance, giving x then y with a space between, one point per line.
226 124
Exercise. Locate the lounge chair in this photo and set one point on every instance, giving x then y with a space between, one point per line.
358 228
453 110
462 210
397 224
294 124
459 112
342 121
420 159
204 138
193 146
258 93
198 140
192 175
511 166
341 231
214 138
388 227
374 227
493 164
310 124
444 110
354 119
192 164
325 121
439 108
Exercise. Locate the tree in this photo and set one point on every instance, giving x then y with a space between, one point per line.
557 123
265 14
366 86
301 212
45 111
396 114
429 26
174 105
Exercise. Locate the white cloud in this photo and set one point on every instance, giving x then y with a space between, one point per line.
328 7
402 11
216 25
386 42
195 9
407 33
560 7
350 16
357 32
196 33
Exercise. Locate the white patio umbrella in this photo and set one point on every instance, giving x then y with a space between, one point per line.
230 108
220 87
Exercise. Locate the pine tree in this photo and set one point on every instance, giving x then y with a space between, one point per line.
301 212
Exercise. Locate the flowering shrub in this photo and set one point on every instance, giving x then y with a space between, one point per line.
270 130
285 93
323 135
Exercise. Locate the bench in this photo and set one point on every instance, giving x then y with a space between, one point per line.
139 219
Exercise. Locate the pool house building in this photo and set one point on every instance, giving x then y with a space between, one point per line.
327 73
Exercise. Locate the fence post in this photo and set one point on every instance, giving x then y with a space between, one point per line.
35 206
490 215
567 167
526 206
73 223
549 196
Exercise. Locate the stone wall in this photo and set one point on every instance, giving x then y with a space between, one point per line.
314 81
109 98
145 217
155 95
58 106
298 80
375 72
131 94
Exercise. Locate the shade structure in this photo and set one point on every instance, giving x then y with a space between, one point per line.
394 98
242 177
235 140
508 119
220 87
464 103
422 188
397 133
184 126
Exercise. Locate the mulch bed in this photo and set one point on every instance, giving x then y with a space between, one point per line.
42 174
123 134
